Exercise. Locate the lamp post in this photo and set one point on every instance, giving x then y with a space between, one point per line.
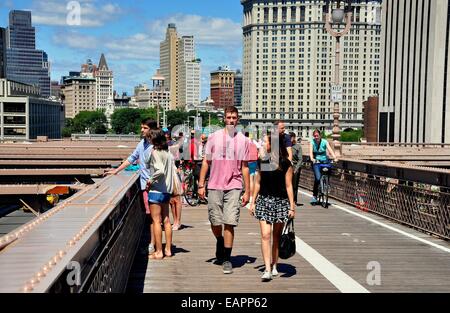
158 84
337 16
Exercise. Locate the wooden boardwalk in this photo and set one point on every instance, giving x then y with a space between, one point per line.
344 249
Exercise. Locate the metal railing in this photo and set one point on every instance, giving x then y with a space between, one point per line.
108 137
398 144
413 202
95 235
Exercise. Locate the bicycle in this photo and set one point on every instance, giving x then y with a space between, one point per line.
324 184
188 184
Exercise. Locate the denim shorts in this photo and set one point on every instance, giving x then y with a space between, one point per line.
158 197
252 166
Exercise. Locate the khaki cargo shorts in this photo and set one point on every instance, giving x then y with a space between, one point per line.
224 207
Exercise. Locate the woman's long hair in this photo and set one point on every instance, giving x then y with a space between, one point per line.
159 140
280 156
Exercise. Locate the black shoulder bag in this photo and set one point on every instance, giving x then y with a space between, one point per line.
287 241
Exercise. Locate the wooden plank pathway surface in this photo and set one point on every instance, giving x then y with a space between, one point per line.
349 243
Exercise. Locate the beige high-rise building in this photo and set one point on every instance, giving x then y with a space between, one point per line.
180 68
79 94
146 98
288 64
169 63
105 84
188 73
414 104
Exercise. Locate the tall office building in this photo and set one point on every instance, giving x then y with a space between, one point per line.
188 73
2 52
24 63
104 78
79 94
415 90
288 64
238 89
180 69
222 87
168 63
25 115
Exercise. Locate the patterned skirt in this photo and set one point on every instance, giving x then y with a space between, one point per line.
272 209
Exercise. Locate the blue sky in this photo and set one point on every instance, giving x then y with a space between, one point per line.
129 34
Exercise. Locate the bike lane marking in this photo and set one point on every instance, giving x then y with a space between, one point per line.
445 249
343 282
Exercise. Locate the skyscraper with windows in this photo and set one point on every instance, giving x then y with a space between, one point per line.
288 64
188 73
238 89
222 87
415 91
180 69
2 52
168 63
24 63
105 84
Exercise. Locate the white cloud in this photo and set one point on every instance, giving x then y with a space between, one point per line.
209 31
55 13
76 40
138 46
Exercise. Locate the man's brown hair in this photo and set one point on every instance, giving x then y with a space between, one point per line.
231 109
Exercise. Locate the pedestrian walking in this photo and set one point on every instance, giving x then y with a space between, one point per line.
142 151
160 186
226 155
273 202
297 159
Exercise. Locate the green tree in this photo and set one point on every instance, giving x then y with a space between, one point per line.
176 117
93 121
353 135
125 121
67 129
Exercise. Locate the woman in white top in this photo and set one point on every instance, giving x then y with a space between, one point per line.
160 186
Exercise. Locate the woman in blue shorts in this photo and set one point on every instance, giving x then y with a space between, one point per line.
160 186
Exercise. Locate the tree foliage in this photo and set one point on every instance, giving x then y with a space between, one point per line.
94 122
353 135
128 121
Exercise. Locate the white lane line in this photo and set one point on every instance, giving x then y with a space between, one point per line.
445 249
336 276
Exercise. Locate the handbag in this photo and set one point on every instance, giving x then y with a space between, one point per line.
286 248
177 189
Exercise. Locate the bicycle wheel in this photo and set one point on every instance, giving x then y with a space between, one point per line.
321 194
189 190
325 189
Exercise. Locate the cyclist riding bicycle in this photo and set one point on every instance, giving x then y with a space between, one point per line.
319 152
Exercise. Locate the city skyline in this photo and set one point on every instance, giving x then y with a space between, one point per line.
129 35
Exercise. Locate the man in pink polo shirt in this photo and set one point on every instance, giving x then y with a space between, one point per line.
227 153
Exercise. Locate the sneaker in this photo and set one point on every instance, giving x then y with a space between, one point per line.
274 272
151 248
313 201
267 276
227 267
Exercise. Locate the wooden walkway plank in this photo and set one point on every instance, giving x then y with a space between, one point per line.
345 240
